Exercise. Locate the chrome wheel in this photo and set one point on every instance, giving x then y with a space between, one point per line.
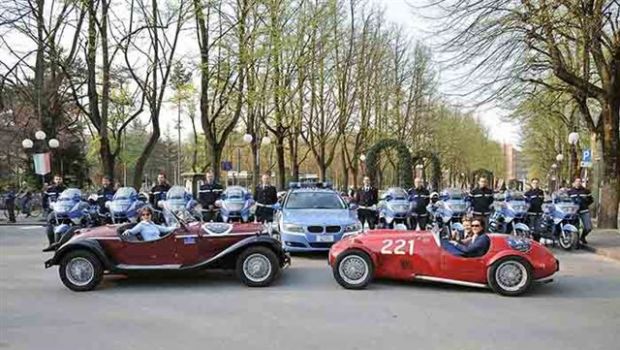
353 269
257 267
80 271
511 275
567 239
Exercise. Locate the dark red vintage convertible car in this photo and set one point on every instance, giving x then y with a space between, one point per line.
88 254
508 267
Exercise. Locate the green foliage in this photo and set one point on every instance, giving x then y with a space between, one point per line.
404 159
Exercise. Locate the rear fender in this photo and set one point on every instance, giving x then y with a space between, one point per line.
233 250
87 244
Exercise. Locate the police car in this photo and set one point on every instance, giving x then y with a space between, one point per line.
312 217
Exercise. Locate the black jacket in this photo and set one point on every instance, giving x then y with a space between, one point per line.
421 198
52 193
105 194
536 198
158 193
582 196
481 200
367 197
267 195
209 193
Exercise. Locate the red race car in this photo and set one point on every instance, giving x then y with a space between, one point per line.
509 266
89 254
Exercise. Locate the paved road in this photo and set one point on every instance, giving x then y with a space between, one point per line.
305 309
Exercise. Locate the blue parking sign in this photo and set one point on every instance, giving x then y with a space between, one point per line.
227 165
587 156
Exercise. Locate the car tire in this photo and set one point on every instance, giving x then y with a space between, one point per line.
80 270
348 277
510 276
257 266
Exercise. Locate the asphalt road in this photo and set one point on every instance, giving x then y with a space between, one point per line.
305 309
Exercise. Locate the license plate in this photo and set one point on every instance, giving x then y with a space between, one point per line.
324 238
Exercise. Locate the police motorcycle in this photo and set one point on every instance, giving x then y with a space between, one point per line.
510 214
125 205
97 208
236 203
70 211
394 207
447 212
559 220
178 202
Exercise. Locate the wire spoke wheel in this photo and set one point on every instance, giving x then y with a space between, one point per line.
353 269
511 275
257 267
80 271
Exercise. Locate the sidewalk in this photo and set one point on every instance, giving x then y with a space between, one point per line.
604 242
23 221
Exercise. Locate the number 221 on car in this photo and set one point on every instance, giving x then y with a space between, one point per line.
398 247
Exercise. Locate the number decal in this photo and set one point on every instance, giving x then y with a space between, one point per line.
386 246
397 247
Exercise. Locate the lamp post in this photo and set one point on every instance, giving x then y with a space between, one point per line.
559 158
419 170
573 140
554 168
363 165
41 153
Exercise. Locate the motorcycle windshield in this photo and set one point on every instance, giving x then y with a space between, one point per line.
119 206
176 193
236 193
457 206
399 206
70 194
125 193
63 207
175 204
519 207
396 193
235 205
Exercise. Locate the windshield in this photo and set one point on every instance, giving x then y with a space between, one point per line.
236 193
70 194
125 193
314 200
176 192
396 193
183 216
515 196
453 193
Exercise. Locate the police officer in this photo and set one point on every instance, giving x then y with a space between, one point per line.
367 198
158 192
10 203
208 193
50 194
481 200
535 197
105 193
583 197
420 196
266 195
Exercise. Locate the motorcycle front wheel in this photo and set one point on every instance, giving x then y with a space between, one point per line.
567 240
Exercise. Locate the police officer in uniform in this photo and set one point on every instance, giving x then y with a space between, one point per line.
158 193
266 195
420 196
367 198
481 200
208 193
535 197
105 193
583 197
50 194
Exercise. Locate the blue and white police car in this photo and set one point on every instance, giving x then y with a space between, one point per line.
312 217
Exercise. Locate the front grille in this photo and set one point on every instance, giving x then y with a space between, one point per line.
322 244
315 229
332 229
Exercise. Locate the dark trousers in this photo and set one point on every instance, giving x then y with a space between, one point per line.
51 219
210 215
418 219
10 207
534 222
369 216
264 214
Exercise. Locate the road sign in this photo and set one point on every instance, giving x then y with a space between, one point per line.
227 165
586 159
587 156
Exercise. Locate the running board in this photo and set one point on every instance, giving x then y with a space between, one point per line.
450 281
147 267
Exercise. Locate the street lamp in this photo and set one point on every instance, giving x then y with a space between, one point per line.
247 138
53 143
573 140
41 157
27 144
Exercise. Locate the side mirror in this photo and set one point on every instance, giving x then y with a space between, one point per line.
160 204
107 205
277 206
143 197
218 203
352 206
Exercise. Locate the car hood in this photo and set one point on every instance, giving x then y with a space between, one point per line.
319 216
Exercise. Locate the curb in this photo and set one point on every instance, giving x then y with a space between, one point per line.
606 252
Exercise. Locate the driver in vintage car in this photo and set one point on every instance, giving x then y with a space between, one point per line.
477 246
146 229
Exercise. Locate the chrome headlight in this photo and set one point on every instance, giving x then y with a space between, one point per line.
518 243
293 228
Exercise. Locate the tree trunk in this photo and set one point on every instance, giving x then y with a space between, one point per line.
146 152
281 164
610 186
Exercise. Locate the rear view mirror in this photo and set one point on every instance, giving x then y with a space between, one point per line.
352 206
143 197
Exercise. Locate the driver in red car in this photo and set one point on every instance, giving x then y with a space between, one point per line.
476 247
146 228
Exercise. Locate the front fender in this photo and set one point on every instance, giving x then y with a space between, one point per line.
87 244
570 228
521 226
